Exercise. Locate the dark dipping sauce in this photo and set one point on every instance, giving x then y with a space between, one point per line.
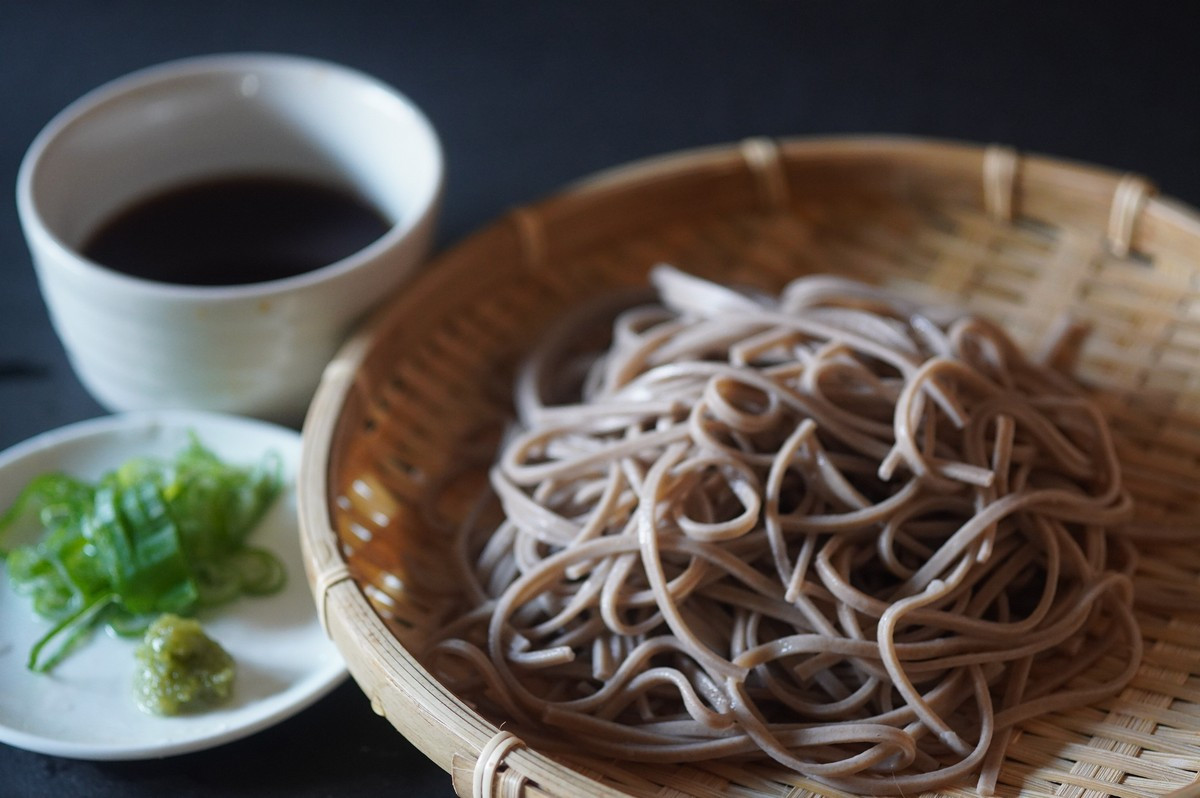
236 230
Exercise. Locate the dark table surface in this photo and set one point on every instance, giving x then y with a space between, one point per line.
530 95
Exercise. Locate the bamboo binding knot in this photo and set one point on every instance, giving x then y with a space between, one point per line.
765 162
531 237
322 584
1128 201
999 181
484 777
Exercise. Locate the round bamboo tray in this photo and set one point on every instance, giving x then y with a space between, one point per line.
1022 239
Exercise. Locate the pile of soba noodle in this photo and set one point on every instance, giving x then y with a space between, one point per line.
832 529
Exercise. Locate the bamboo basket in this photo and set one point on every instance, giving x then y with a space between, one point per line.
1022 239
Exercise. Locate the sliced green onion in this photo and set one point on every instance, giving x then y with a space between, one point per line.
151 536
260 572
69 631
218 583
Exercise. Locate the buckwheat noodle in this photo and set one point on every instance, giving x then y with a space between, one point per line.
833 529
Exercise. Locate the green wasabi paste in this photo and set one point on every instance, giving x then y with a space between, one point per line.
180 669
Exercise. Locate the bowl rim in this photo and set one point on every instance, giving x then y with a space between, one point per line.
231 64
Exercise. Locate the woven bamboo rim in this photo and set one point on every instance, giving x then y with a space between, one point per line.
1021 238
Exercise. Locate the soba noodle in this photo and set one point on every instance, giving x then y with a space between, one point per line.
833 529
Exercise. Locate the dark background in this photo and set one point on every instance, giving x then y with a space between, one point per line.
530 95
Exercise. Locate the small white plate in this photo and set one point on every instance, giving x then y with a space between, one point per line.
84 708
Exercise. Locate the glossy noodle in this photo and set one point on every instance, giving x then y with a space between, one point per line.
831 529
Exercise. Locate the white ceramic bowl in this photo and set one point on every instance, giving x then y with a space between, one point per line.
255 349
